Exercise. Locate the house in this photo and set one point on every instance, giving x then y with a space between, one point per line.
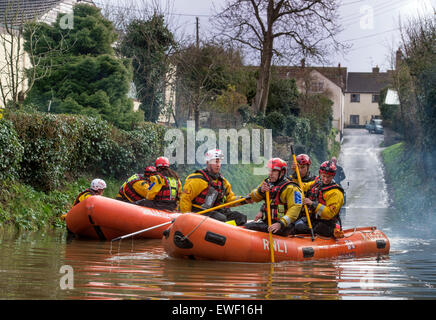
330 81
362 96
16 12
166 116
13 14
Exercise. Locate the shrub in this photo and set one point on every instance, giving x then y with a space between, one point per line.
297 128
46 148
245 111
11 151
59 146
275 121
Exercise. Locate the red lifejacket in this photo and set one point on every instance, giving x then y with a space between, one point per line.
278 208
127 191
317 191
168 192
218 184
82 193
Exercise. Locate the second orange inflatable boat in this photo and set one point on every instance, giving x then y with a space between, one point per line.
194 236
103 218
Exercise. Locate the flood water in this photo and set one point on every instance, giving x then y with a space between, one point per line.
39 265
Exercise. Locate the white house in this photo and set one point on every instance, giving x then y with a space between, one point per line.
13 13
362 96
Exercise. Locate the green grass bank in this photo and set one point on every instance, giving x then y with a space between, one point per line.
410 192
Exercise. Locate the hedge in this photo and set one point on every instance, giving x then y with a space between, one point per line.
11 151
46 149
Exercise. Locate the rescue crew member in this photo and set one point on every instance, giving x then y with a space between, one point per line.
285 201
304 163
134 189
207 188
324 199
97 188
148 172
164 189
340 174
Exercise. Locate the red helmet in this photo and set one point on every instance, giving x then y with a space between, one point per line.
149 170
303 159
162 162
328 167
276 164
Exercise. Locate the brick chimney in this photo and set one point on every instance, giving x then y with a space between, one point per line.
376 70
303 63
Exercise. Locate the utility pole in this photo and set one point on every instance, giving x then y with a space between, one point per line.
197 104
197 33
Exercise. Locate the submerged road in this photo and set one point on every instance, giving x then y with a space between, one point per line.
367 196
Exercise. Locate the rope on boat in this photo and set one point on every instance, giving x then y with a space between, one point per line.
186 237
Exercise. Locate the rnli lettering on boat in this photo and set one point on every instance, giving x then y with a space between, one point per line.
373 236
279 246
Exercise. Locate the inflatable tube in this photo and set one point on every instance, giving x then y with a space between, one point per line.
102 218
193 236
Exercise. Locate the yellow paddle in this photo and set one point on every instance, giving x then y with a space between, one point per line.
300 183
268 213
221 206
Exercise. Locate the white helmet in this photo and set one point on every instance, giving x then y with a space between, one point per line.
98 184
214 154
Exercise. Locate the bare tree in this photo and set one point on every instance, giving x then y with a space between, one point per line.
16 80
282 29
204 71
193 75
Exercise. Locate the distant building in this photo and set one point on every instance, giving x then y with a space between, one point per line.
330 81
362 96
14 13
166 116
132 94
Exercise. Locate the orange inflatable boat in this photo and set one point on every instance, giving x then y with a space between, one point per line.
195 236
102 218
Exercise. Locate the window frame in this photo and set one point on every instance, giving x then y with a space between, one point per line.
356 97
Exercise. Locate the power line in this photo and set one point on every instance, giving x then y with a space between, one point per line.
385 5
390 5
371 35
350 3
101 4
346 19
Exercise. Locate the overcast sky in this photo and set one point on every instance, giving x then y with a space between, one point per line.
370 26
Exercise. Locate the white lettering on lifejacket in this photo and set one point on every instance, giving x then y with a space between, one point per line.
276 246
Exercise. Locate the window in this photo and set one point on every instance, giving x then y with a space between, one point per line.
317 86
354 119
355 97
375 98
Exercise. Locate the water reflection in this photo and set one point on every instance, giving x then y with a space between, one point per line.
143 271
140 269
